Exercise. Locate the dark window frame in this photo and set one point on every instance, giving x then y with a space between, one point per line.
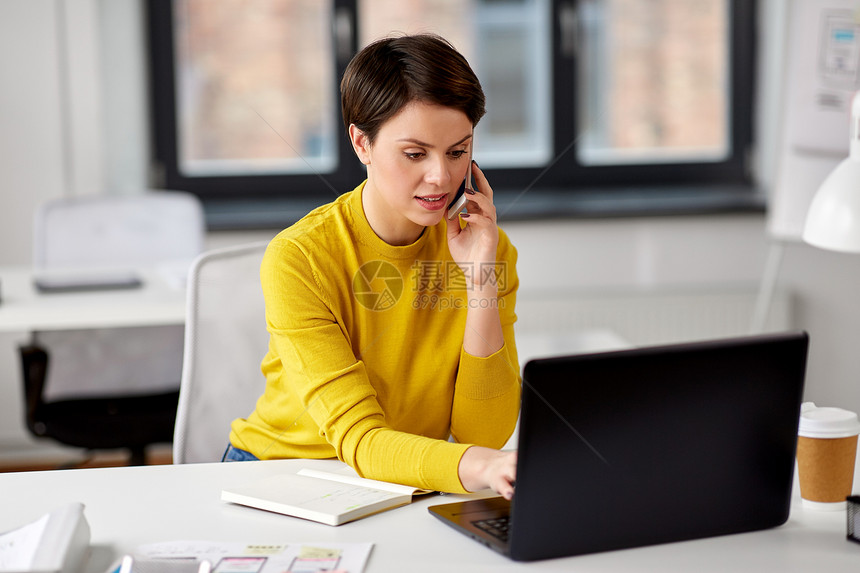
562 179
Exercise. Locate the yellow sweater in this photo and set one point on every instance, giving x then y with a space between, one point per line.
365 359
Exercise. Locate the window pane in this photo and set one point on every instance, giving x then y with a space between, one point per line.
254 87
653 81
507 42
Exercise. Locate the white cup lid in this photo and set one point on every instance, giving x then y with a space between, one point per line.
827 422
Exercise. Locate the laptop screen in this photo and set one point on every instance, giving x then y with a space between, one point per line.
650 445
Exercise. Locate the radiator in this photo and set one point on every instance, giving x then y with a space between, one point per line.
652 317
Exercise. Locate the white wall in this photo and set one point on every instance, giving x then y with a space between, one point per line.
32 151
43 155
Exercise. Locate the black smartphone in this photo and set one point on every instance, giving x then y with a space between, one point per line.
460 199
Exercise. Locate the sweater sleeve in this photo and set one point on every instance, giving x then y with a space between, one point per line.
333 386
487 392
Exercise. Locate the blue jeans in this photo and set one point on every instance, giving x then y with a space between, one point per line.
232 454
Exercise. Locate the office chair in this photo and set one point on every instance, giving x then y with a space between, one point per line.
110 388
225 342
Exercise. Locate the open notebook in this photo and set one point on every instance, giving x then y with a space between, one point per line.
332 498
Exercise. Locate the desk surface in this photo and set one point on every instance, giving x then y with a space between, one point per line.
159 301
128 507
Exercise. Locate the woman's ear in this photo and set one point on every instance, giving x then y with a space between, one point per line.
360 144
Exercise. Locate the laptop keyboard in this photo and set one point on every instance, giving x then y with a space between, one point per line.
497 526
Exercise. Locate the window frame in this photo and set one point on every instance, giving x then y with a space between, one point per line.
563 176
237 187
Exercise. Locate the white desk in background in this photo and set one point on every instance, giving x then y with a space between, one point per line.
532 344
160 300
131 506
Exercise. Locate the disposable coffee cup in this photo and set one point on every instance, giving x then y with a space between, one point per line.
826 454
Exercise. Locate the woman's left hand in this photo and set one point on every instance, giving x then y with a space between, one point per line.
473 247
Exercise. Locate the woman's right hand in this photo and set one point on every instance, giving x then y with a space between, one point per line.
482 468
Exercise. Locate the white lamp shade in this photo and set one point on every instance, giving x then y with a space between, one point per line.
833 220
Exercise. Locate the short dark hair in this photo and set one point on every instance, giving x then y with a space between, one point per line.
392 72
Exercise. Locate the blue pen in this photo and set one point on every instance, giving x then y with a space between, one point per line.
125 566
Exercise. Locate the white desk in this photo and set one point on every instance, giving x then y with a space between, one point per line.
127 507
531 344
160 301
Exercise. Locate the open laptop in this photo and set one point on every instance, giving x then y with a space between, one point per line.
648 445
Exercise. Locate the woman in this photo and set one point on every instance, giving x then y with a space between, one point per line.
391 326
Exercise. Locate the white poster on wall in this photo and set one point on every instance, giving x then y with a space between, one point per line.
823 72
